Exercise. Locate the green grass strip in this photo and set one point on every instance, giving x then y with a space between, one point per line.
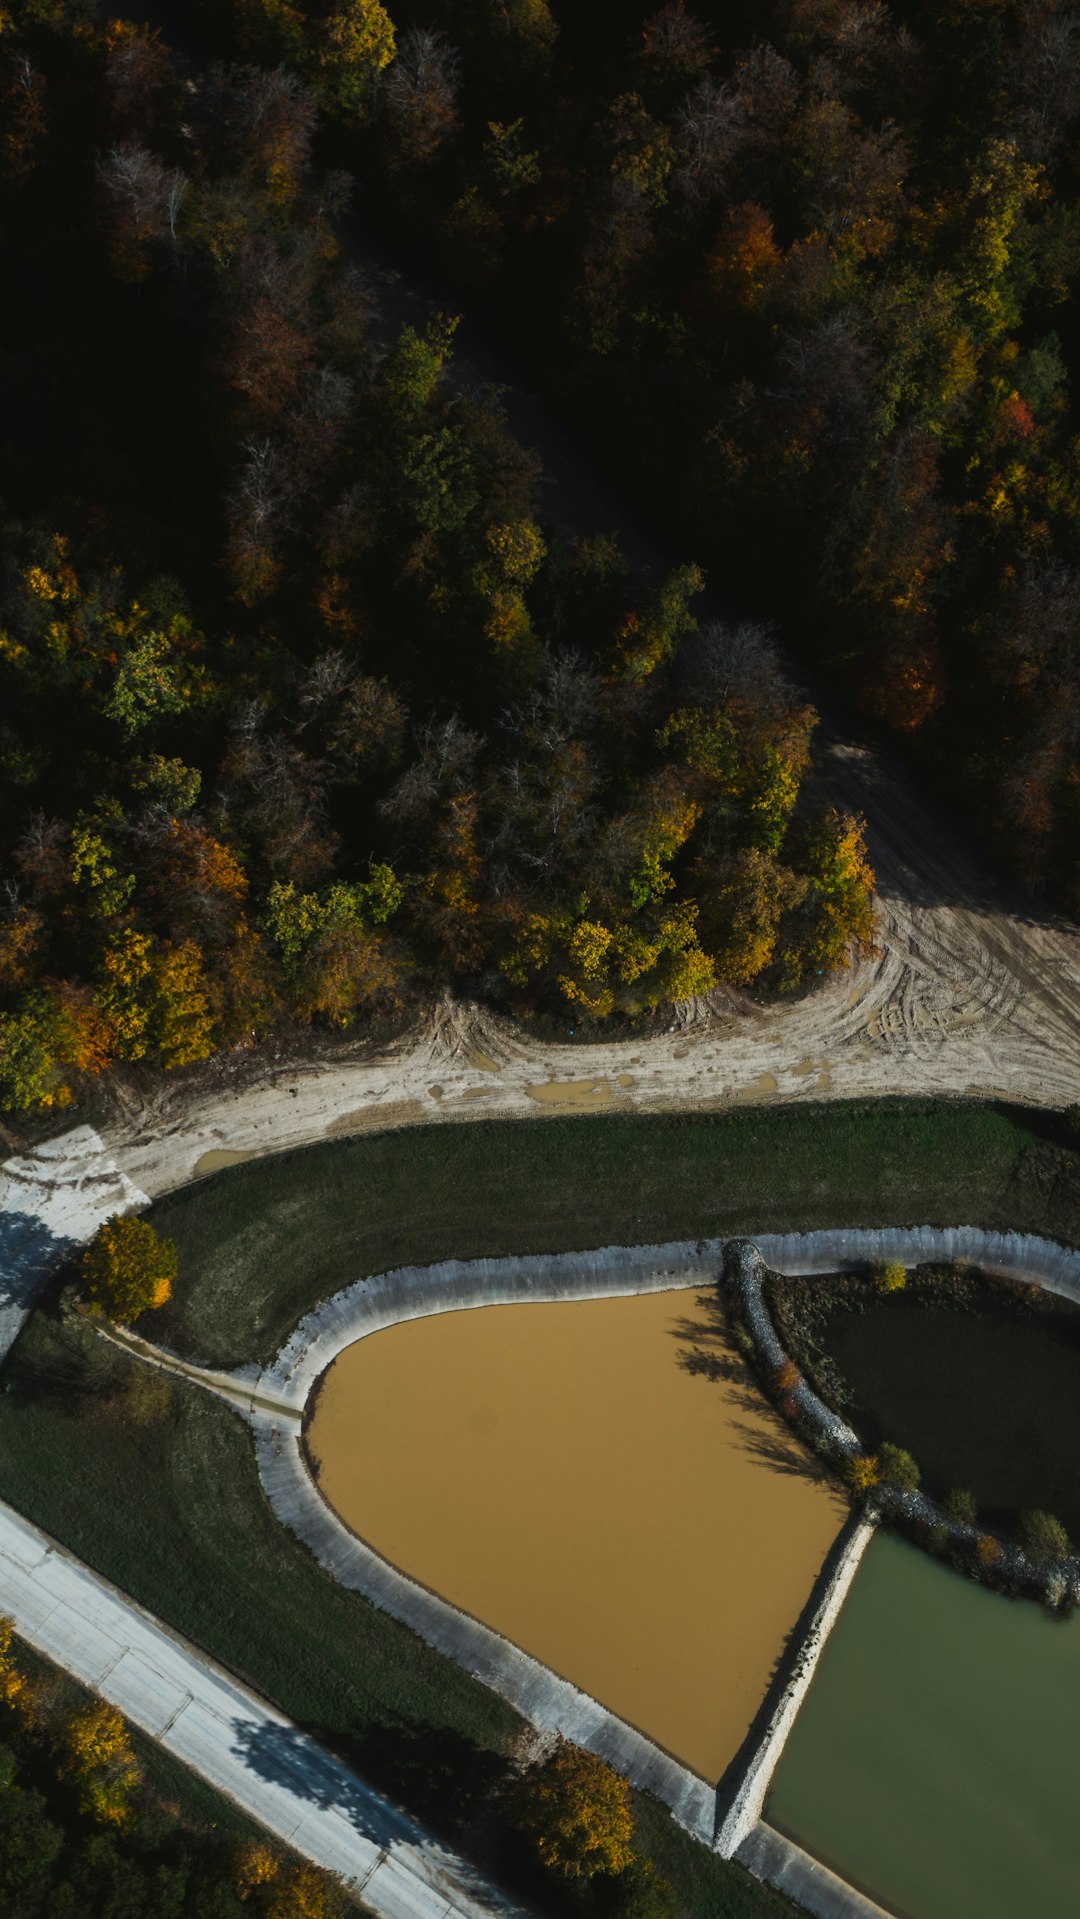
261 1243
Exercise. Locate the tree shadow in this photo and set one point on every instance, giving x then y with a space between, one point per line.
781 1450
707 1353
30 1255
285 1757
448 1780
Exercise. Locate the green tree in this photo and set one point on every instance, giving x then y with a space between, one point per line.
576 1811
896 1468
959 1506
1043 1537
128 1268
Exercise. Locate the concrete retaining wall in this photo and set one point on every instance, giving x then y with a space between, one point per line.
738 1819
547 1701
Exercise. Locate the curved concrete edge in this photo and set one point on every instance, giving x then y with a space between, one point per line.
1024 1256
412 1292
458 1285
780 1863
548 1702
744 1812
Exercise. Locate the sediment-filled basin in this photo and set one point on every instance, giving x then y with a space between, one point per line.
598 1481
933 1761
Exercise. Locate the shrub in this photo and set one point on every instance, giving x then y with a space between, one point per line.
639 1892
1056 1590
862 1472
959 1506
897 1469
1043 1537
889 1275
128 1268
785 1377
987 1551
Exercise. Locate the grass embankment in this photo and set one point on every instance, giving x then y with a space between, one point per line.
158 1489
263 1242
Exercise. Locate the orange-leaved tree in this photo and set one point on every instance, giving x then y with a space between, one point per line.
128 1268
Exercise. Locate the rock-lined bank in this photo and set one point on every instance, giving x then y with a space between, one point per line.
1006 1566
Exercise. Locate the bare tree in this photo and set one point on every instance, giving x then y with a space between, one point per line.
144 200
710 129
419 94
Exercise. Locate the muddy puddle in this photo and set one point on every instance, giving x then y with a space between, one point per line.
579 1477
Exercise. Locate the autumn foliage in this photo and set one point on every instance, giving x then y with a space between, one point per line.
306 711
575 1810
128 1268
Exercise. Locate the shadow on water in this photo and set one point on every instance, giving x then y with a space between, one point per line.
707 1353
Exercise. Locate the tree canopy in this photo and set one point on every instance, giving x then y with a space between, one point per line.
128 1268
306 709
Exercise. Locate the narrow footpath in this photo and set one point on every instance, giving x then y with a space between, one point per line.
279 1776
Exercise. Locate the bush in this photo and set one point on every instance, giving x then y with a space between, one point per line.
897 1469
128 1268
1043 1537
785 1378
889 1275
862 1472
959 1507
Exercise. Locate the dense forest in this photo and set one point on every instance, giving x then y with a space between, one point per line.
809 269
304 711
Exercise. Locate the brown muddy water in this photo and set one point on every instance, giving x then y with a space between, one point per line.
645 1528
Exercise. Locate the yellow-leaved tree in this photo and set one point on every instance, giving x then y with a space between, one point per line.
576 1811
128 1268
95 1752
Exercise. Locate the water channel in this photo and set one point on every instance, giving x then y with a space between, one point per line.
598 1481
933 1763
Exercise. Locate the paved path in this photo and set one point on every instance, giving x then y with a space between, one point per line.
278 1775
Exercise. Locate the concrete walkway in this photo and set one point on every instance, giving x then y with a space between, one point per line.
50 1203
232 1738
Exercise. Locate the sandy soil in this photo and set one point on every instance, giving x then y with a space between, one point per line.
451 1445
964 996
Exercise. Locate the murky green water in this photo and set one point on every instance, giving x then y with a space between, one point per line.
935 1759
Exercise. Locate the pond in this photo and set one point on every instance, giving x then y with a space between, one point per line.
987 1400
933 1762
598 1481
